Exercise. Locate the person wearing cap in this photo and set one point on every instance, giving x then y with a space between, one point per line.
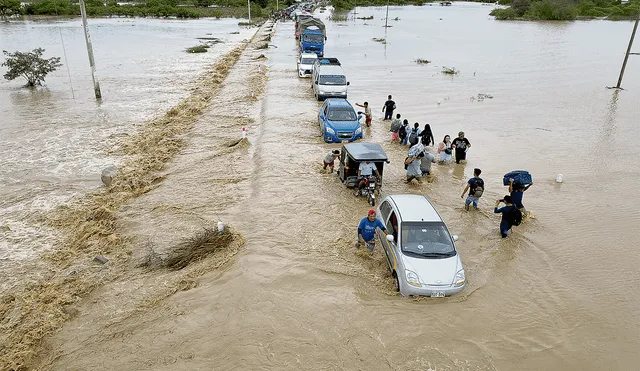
461 144
367 230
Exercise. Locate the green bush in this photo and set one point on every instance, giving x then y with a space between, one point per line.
550 10
502 14
183 12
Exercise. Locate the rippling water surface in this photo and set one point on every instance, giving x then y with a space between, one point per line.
558 294
52 145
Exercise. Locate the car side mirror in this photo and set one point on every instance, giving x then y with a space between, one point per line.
348 83
455 237
390 237
359 117
316 82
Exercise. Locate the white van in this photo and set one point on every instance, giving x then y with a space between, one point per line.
328 79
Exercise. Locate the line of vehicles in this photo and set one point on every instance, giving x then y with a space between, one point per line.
419 249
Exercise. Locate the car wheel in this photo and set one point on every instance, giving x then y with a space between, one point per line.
319 97
395 277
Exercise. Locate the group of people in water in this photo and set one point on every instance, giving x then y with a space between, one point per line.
420 158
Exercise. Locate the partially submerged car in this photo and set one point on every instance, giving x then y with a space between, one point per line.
305 64
420 251
338 121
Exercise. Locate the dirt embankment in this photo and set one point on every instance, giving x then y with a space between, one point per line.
91 227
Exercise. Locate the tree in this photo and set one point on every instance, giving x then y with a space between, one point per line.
9 8
29 65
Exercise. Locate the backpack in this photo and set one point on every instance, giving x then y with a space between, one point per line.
402 132
515 216
426 138
478 188
413 137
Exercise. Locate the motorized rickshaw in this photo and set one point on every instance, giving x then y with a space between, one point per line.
350 158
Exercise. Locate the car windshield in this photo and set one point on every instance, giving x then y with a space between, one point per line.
307 61
332 80
341 115
426 240
313 38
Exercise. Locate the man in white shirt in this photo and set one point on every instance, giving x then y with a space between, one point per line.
365 170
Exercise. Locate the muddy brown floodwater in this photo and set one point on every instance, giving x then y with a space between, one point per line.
557 294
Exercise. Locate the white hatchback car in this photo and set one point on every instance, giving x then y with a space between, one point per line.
419 249
305 64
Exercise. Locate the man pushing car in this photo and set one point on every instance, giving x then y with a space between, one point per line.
367 230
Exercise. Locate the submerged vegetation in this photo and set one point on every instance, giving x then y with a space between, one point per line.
449 71
149 8
338 17
567 9
29 65
202 48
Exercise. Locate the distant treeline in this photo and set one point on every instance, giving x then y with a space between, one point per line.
567 9
350 4
150 8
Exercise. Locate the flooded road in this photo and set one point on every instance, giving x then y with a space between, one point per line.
558 294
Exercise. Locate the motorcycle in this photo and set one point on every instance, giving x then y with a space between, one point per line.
368 190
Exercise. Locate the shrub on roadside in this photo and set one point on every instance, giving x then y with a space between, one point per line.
551 10
502 14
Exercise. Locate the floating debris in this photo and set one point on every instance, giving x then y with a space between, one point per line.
481 97
379 40
365 18
210 40
422 61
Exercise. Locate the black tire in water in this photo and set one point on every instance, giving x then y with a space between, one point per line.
397 283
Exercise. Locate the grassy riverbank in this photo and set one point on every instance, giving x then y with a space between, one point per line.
153 8
567 9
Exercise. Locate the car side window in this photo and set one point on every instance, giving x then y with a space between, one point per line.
385 208
392 225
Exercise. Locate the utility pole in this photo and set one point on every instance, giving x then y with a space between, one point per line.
96 84
249 6
626 57
386 20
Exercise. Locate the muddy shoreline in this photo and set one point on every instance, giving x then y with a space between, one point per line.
90 227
